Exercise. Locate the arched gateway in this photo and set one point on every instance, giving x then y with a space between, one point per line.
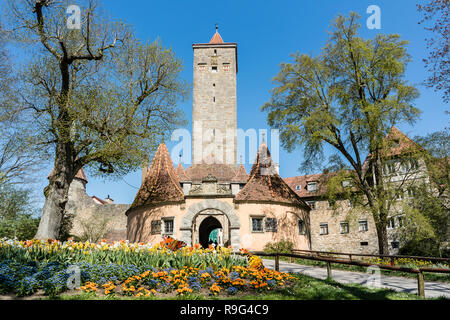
204 216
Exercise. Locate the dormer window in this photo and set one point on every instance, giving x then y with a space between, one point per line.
311 186
298 187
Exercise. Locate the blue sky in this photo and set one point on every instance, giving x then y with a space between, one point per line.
267 32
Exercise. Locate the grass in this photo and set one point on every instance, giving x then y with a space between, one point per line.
428 276
304 288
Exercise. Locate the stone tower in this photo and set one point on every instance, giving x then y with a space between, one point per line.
214 102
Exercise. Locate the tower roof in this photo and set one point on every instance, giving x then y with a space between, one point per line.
181 174
241 175
161 183
216 39
80 175
264 183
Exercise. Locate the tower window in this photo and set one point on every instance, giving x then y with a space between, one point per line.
214 84
202 66
215 51
226 67
214 99
214 68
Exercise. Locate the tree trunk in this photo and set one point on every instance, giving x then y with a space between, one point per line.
383 245
53 211
57 193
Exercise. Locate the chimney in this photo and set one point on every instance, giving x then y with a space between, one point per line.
109 200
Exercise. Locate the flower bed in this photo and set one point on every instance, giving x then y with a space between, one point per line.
128 269
187 280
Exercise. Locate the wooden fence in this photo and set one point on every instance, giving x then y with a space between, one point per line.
326 257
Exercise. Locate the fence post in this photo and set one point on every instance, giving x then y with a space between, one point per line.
277 262
291 259
329 270
421 284
392 261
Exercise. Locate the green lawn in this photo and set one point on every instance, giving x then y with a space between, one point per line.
304 288
428 276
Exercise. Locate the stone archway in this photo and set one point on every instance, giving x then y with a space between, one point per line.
189 221
205 229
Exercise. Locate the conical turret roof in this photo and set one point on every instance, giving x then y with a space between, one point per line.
241 175
264 183
216 39
161 183
181 174
80 175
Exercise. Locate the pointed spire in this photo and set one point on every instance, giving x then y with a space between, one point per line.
216 39
264 183
161 183
241 175
181 174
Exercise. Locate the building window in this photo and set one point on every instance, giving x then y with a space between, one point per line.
202 66
156 227
390 167
168 225
214 99
301 226
324 228
298 187
311 186
271 225
226 67
394 244
364 243
214 68
312 204
257 224
363 226
391 223
344 227
400 221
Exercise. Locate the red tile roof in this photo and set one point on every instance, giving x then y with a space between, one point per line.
264 183
396 143
216 39
223 172
80 175
241 175
161 183
181 174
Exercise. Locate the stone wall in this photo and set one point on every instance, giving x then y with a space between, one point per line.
355 241
84 210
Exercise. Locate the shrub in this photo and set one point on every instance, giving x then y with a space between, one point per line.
284 246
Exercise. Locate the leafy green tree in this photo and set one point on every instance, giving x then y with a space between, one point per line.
348 97
17 214
94 97
436 17
426 229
